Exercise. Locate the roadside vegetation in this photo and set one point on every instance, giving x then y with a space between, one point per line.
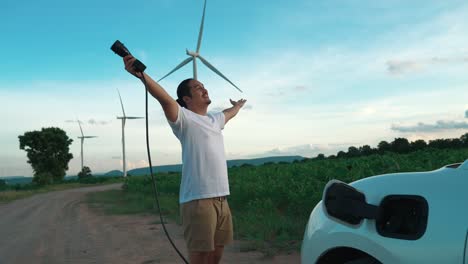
13 192
271 203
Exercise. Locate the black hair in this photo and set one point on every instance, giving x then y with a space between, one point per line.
183 90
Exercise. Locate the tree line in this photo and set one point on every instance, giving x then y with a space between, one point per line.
401 146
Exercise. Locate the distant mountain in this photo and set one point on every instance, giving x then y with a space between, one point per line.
12 177
17 179
230 163
113 173
156 169
260 161
164 168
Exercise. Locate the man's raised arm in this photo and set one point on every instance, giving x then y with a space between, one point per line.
169 105
231 112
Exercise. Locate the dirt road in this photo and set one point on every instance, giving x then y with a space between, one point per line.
58 227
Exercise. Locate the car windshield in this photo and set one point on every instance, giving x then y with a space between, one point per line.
453 166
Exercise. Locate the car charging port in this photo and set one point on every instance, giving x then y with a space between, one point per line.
403 217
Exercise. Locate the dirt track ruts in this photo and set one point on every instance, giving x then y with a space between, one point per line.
58 227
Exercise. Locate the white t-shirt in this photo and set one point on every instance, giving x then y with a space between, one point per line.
204 169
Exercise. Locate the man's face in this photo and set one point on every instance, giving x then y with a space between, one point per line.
199 93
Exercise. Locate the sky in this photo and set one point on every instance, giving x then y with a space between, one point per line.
319 76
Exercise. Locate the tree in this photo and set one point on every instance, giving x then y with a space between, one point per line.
366 150
400 145
85 173
353 152
440 143
320 156
418 145
43 178
464 139
456 143
48 152
3 185
341 154
383 146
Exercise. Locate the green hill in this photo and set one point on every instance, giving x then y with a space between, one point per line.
17 180
230 163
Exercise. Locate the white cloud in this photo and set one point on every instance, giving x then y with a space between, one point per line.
439 125
246 107
92 121
407 66
400 67
305 150
300 88
136 164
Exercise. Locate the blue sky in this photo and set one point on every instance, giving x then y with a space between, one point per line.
319 76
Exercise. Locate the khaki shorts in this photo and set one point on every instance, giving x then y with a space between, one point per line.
207 223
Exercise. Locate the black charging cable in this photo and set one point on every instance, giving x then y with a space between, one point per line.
122 51
156 195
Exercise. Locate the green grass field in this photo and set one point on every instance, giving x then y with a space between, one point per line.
271 203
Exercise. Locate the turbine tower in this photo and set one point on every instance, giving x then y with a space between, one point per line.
124 118
82 141
196 54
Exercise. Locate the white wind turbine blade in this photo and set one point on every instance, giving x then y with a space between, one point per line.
217 72
121 103
178 67
133 117
89 136
79 123
201 29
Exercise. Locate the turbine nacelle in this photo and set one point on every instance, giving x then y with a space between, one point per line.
192 53
196 54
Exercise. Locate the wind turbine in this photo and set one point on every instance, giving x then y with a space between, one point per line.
196 54
82 141
124 118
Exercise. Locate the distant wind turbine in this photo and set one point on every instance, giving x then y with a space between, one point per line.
82 141
124 118
194 55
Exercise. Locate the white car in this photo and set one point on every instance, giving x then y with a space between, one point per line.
418 217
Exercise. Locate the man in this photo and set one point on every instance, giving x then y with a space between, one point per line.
206 217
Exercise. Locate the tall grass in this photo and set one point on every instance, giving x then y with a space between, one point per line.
271 203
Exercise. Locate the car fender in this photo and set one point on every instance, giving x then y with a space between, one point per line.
333 235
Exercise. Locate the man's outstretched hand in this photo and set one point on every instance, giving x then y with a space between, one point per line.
239 103
231 112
